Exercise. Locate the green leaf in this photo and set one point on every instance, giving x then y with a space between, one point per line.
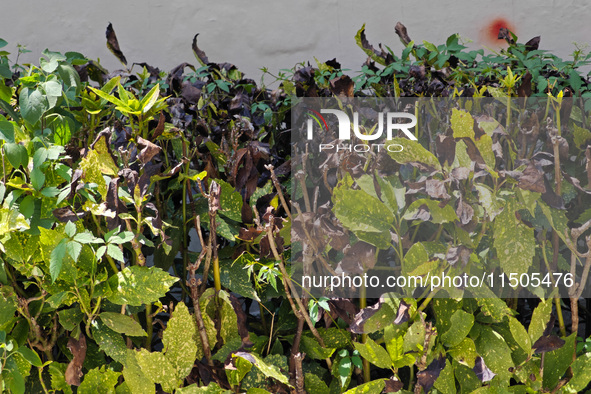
313 384
179 341
373 353
235 277
16 154
99 380
6 131
557 362
70 318
363 214
313 349
413 152
5 93
110 342
73 248
30 355
461 324
122 324
37 178
58 379
373 387
33 105
115 252
520 335
158 368
137 285
56 261
514 241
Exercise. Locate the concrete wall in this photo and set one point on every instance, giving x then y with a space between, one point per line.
277 33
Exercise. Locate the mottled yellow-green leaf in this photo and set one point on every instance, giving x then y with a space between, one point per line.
373 387
157 368
179 343
462 124
514 241
11 220
135 377
464 352
557 362
491 346
90 166
137 285
373 353
413 152
99 380
110 342
461 324
363 214
446 383
122 324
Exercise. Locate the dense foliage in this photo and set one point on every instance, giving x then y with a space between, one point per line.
145 228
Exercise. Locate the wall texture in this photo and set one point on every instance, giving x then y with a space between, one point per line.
277 33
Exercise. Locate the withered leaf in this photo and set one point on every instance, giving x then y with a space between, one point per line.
393 385
533 44
74 369
482 371
66 214
241 321
422 213
465 212
427 378
113 44
532 179
160 127
342 86
358 323
400 30
248 234
360 255
198 52
436 189
550 197
402 316
148 150
505 34
446 149
524 88
385 57
548 343
458 253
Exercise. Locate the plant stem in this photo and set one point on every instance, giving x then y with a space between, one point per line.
362 305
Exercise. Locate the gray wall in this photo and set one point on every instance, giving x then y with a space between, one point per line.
276 33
